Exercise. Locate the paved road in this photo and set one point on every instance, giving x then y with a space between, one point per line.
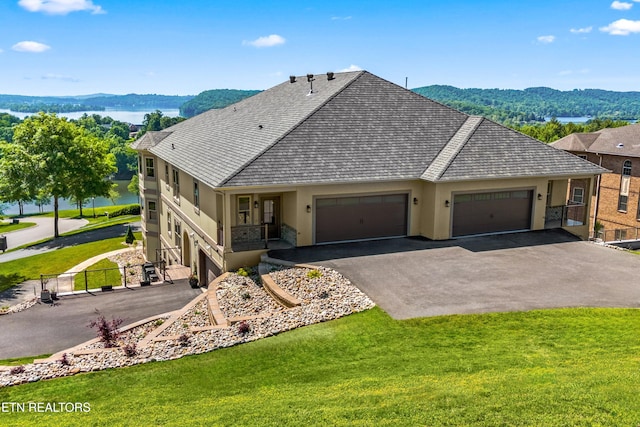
42 230
511 272
45 329
87 236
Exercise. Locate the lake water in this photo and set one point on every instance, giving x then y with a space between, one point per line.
127 116
125 198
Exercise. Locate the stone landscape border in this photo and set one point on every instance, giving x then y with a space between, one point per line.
337 299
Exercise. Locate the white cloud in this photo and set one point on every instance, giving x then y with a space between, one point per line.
347 18
620 5
59 77
61 7
267 41
582 30
546 39
350 68
622 27
30 46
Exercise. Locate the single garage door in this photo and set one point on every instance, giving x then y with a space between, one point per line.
494 212
360 217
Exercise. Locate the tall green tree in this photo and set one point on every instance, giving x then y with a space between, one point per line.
66 161
15 168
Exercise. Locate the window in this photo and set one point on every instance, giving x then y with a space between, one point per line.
139 164
622 203
151 172
176 183
578 195
196 195
152 213
626 168
244 210
177 237
166 175
582 156
169 224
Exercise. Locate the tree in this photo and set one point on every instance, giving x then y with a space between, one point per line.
15 168
64 159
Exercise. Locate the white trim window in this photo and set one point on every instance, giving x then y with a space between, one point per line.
152 213
150 167
176 183
196 195
578 195
169 224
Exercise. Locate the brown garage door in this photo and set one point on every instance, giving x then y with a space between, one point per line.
494 212
360 217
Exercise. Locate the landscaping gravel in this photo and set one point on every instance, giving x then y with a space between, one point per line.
325 295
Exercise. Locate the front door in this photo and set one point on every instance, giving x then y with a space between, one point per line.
271 217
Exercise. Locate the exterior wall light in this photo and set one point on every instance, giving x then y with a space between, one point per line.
446 203
539 196
415 200
256 205
308 208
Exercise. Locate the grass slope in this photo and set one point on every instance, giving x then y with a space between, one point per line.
557 367
5 228
102 273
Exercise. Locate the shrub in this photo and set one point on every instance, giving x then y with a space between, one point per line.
158 322
314 274
107 331
243 327
183 340
125 210
130 238
17 370
64 360
244 272
245 296
130 350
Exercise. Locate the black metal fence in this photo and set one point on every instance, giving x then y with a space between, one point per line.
105 278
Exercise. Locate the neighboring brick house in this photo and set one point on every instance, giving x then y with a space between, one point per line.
616 203
343 157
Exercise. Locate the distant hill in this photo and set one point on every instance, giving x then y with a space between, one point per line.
216 98
537 102
33 104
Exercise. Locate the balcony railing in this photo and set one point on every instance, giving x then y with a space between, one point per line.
572 215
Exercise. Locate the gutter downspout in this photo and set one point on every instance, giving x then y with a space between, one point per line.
597 202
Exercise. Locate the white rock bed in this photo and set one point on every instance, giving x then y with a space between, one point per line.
19 307
240 296
326 298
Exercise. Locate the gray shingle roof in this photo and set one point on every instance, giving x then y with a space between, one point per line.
355 128
621 141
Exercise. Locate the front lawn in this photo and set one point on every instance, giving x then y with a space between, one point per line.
57 261
5 227
102 273
542 368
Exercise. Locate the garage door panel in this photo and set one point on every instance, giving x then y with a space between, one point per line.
363 217
491 212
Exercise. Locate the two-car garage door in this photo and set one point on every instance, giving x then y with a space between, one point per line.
491 212
360 217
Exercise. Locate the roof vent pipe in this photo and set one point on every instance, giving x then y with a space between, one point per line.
330 75
310 79
292 79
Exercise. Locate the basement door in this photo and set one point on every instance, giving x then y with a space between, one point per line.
360 217
491 212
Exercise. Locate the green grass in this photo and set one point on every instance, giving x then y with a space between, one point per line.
571 367
16 361
87 213
103 272
5 228
58 261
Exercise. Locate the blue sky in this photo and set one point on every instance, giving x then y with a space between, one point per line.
75 47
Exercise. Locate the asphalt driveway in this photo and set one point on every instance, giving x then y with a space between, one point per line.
415 277
48 329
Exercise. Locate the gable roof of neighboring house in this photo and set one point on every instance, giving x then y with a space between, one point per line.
621 141
355 127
